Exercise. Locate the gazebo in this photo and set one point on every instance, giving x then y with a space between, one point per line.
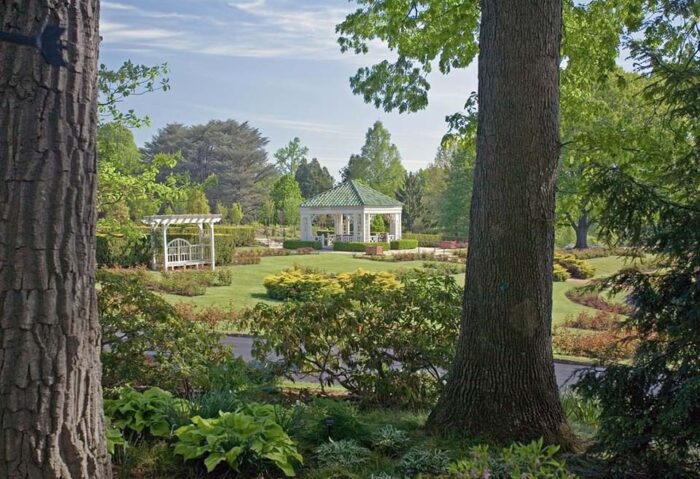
179 252
352 205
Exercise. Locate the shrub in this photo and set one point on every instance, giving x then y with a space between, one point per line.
404 244
117 250
424 240
424 461
296 244
212 317
357 336
145 341
603 345
585 297
313 426
601 321
345 453
192 282
389 440
299 285
591 253
145 412
560 273
246 443
445 268
577 268
356 246
303 285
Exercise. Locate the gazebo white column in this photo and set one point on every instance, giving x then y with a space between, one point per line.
395 225
307 233
212 246
165 247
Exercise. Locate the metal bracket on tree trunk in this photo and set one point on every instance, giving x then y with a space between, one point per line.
47 42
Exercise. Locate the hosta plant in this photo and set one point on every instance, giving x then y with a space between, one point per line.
346 453
244 442
144 412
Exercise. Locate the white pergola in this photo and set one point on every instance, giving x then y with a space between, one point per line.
180 252
352 206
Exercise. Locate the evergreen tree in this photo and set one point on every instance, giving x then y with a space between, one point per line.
233 152
378 164
312 178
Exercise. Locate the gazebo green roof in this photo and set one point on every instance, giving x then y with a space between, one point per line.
350 193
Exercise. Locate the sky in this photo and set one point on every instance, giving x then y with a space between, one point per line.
274 64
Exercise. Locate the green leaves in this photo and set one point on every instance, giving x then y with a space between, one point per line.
248 438
145 412
129 80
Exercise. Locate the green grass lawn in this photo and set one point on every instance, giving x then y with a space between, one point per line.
247 288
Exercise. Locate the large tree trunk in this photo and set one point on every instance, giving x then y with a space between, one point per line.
581 229
50 394
502 385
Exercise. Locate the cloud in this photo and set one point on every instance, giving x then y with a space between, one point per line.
242 28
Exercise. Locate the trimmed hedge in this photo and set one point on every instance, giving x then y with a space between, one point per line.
120 251
404 244
296 244
424 240
356 247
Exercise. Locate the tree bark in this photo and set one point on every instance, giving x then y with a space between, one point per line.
581 228
50 393
502 385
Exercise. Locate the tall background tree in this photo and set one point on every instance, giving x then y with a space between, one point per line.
50 373
312 178
290 157
287 198
379 162
411 195
233 152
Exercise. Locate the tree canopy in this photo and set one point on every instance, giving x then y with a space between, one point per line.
290 157
232 151
379 162
313 178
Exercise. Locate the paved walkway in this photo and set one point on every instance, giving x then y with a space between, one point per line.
566 373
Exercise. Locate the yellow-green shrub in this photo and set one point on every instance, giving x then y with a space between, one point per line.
577 268
560 273
303 285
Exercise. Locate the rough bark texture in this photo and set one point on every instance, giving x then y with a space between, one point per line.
581 228
502 385
51 417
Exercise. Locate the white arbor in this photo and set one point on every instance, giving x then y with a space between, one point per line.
179 251
352 206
